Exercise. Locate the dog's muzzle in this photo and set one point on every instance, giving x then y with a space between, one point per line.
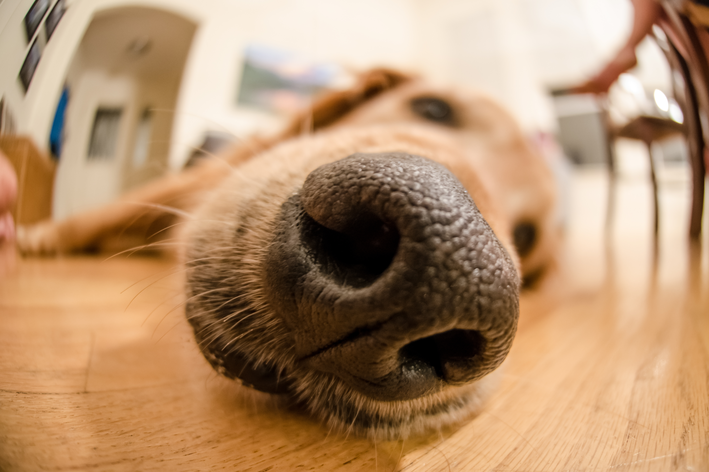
390 279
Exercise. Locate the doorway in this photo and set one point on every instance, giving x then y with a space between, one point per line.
122 84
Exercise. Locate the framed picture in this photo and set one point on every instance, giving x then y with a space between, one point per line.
34 16
280 81
104 133
30 65
53 18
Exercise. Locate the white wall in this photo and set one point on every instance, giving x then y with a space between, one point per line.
517 49
13 49
160 97
82 184
357 34
514 49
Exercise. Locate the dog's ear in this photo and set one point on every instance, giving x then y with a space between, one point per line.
325 111
334 105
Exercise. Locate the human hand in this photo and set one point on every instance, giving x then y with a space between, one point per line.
601 82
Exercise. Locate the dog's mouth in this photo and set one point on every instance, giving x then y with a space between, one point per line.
420 367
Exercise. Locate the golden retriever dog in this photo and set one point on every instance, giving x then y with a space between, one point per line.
365 263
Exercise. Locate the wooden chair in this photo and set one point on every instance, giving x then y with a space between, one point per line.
647 129
682 35
685 41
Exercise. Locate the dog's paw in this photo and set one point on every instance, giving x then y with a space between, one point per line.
38 239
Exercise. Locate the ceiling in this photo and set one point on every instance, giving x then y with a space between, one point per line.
146 42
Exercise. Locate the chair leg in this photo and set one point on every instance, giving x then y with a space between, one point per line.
698 176
695 143
653 179
612 176
610 204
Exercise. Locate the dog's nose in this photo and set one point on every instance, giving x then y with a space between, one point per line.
390 279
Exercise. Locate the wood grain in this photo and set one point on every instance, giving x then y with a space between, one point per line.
609 371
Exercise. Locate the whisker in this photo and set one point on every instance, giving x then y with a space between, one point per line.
165 333
158 306
167 228
401 452
219 156
162 166
129 224
329 430
184 302
207 341
351 427
237 138
225 319
239 337
133 250
147 208
195 115
165 208
220 320
172 272
242 319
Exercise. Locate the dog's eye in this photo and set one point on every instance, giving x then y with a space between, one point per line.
434 109
525 237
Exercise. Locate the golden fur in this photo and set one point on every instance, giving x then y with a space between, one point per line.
244 191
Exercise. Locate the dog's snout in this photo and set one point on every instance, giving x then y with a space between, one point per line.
390 278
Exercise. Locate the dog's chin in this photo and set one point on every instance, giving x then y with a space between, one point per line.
344 409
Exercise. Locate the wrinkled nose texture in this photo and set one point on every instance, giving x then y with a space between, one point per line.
390 278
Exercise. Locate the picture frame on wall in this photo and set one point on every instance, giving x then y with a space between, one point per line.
34 17
55 15
280 81
30 65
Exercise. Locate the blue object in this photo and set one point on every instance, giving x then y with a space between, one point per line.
56 135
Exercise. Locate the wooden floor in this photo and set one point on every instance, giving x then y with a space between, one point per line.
609 370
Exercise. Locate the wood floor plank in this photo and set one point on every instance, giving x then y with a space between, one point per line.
609 370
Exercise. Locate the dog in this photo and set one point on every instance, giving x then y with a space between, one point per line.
365 262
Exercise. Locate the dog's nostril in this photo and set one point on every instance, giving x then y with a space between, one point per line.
356 256
454 355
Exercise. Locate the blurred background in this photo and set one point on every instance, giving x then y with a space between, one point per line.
120 91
